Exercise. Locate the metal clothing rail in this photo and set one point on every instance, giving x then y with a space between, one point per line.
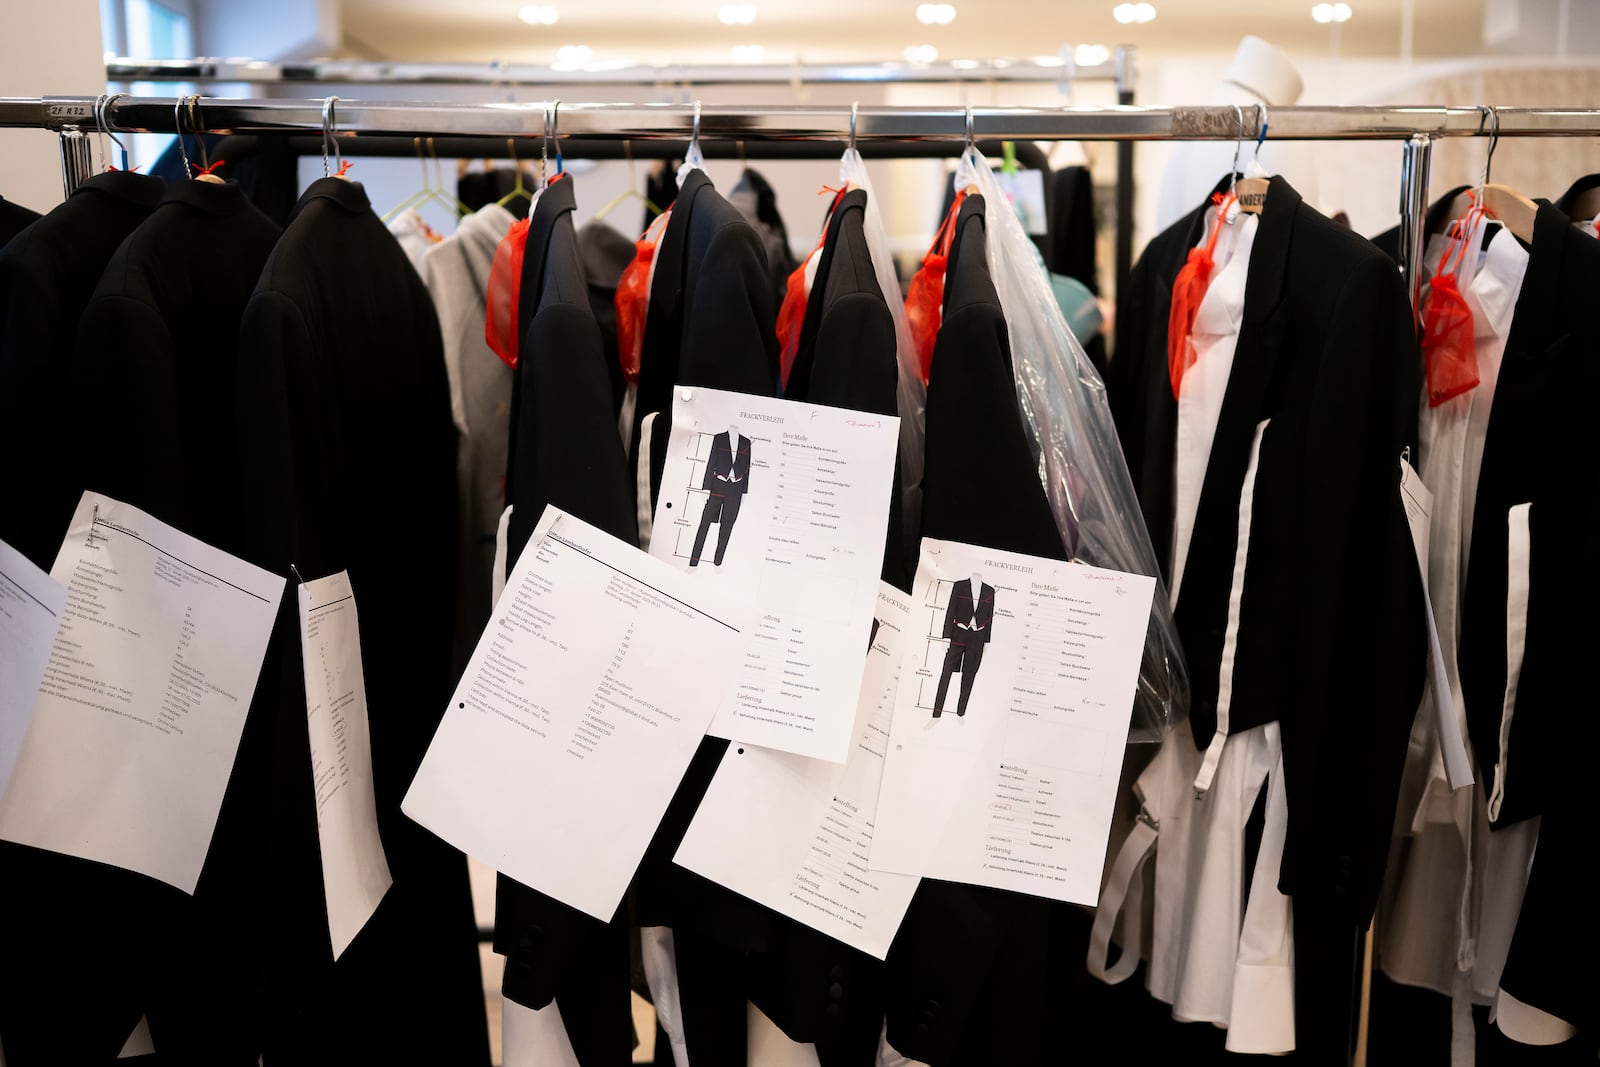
1059 68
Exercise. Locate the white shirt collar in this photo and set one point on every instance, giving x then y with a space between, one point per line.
1493 291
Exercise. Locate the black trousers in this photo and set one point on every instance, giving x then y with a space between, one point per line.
722 509
966 659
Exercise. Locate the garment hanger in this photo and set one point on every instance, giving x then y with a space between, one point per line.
422 194
1500 202
517 190
1252 191
102 109
189 169
206 166
972 147
693 159
328 140
850 146
631 192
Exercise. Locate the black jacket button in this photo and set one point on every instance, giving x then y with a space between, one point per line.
836 990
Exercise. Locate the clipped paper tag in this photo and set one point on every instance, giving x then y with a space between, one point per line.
1418 501
355 873
1025 189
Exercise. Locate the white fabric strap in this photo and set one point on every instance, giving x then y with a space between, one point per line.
661 973
1518 551
641 468
1261 1016
1123 894
1230 637
502 551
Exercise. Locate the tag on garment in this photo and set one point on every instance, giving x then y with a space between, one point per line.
793 834
1025 190
31 603
139 716
578 714
1418 501
355 873
1010 721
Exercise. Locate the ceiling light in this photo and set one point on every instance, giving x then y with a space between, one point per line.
1090 55
935 14
736 14
965 64
749 53
1331 13
1139 13
922 54
1048 61
539 15
572 56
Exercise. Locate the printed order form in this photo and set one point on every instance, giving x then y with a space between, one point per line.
784 505
1010 721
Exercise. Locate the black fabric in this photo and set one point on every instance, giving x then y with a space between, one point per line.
154 367
1569 200
1072 230
606 254
13 217
493 184
347 462
710 323
47 274
969 973
1537 449
755 198
1438 216
1327 353
565 452
816 989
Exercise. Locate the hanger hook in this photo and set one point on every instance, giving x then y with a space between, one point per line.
555 133
1494 141
106 128
694 133
194 128
1261 129
544 150
327 133
1238 145
100 128
855 106
972 139
183 152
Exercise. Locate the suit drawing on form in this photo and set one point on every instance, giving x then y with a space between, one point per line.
727 479
968 622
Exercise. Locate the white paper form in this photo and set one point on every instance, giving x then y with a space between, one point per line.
138 718
577 715
794 834
785 504
1030 665
31 603
355 872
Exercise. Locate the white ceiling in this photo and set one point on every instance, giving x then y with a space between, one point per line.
854 30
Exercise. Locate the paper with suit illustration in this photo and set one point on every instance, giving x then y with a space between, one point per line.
31 603
794 833
1010 721
577 715
144 700
785 505
355 872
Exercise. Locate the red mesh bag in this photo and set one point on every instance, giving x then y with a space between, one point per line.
504 289
633 298
796 294
925 295
1448 351
1188 290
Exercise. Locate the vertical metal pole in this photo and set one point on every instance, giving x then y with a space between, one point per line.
76 163
1416 162
1124 245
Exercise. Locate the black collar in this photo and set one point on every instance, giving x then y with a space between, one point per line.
143 189
666 287
1535 325
1577 189
347 194
222 200
556 200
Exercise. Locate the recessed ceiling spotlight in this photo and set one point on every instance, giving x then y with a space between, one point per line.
1090 55
572 56
936 14
749 53
539 15
736 14
1326 13
921 54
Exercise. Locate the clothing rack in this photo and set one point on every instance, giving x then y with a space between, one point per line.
73 117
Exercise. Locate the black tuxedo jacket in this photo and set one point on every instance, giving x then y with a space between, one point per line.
727 473
970 971
961 611
1575 190
1331 640
13 217
564 452
47 274
347 462
710 323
